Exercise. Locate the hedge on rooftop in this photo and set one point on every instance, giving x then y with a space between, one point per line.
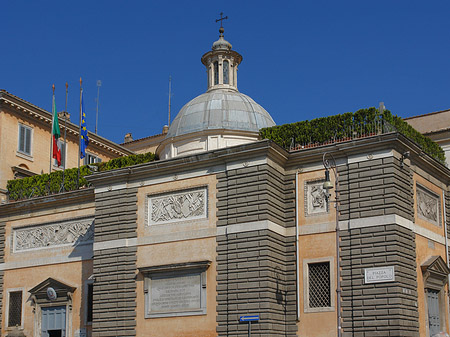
325 129
46 184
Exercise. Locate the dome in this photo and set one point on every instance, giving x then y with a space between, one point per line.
222 116
220 109
221 44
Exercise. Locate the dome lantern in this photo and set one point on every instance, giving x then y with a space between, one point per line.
221 64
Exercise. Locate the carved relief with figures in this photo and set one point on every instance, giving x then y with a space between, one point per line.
178 206
53 234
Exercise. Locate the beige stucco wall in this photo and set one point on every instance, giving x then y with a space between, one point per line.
27 269
73 274
145 145
178 242
316 248
425 249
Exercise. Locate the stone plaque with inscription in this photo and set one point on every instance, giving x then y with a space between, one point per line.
175 293
379 275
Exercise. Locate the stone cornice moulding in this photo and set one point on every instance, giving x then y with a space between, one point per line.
364 146
210 162
45 117
82 196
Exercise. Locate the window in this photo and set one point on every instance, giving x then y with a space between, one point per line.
434 317
63 155
225 72
91 159
216 73
175 290
25 139
318 283
89 301
15 309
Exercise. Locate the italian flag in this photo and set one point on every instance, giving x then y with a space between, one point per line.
56 135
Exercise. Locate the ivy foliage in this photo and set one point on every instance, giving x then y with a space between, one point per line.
46 184
343 126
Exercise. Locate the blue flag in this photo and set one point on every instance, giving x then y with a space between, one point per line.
84 141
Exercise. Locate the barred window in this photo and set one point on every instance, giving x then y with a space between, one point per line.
15 309
319 285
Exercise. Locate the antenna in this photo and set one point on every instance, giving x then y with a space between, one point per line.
170 94
99 84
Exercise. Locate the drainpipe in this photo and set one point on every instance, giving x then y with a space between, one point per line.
446 253
297 244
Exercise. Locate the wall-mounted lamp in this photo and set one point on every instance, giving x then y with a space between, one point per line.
405 155
327 185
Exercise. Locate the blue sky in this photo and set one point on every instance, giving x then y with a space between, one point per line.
301 59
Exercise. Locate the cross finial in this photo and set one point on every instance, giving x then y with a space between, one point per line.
221 30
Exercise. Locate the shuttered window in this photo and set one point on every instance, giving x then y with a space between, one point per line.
433 311
24 139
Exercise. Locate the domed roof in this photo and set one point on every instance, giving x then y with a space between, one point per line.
220 109
221 43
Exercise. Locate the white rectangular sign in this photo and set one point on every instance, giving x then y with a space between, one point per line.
378 275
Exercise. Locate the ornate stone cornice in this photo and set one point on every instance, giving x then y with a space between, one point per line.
82 196
26 109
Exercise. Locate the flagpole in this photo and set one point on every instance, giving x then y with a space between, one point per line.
79 136
65 136
51 130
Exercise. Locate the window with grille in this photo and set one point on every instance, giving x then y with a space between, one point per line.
15 309
319 285
24 139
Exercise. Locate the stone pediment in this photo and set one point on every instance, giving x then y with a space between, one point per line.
435 272
63 292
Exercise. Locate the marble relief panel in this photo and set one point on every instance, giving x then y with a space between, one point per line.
315 201
177 206
49 235
428 205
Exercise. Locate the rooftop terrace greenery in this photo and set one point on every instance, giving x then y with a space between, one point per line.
363 123
347 126
46 184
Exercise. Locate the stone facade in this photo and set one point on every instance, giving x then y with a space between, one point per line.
256 269
229 219
114 300
375 188
379 309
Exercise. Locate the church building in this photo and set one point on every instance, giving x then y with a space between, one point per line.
230 235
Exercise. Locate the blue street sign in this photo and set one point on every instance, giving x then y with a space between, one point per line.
254 318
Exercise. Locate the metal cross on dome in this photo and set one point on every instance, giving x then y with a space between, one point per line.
221 19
